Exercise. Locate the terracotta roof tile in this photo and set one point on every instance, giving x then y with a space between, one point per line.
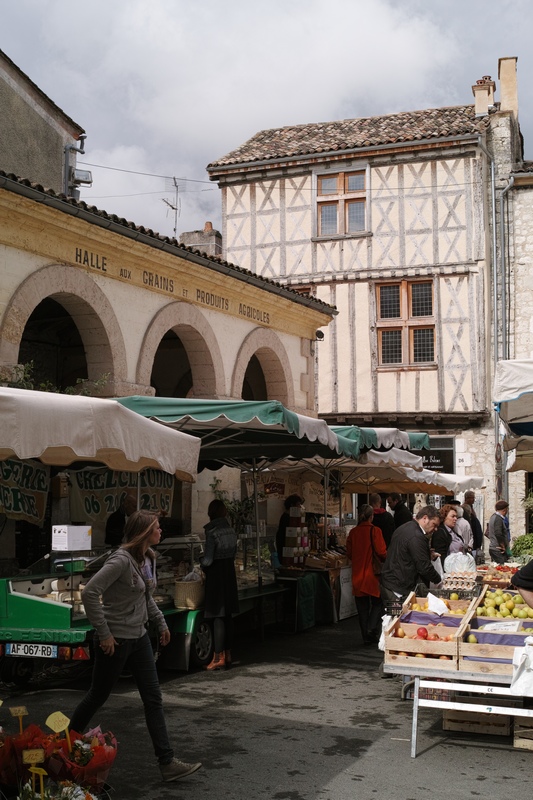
349 134
42 194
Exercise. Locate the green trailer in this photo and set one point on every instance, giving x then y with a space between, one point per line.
43 625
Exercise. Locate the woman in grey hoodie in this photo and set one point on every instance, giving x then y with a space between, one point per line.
118 602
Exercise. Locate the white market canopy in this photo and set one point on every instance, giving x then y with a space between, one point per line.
60 429
513 399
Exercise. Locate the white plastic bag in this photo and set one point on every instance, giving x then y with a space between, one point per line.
460 562
385 621
522 682
438 566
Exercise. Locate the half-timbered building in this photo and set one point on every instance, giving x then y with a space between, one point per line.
390 219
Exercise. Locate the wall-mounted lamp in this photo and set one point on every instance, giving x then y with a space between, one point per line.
319 335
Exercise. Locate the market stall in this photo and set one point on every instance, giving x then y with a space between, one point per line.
42 619
458 649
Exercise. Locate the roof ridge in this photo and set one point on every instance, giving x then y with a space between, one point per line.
126 224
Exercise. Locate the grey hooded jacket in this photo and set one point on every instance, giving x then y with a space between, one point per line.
116 601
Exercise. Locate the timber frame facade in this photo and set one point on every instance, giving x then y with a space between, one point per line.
392 220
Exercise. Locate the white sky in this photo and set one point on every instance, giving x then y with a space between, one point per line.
166 86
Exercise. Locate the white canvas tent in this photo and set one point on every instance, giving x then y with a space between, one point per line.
513 398
60 429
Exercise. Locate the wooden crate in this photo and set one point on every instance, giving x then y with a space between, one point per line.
523 733
467 607
417 652
474 722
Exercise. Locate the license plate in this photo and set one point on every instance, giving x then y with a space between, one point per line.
31 650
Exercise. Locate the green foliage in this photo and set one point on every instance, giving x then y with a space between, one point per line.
527 502
240 512
26 380
523 545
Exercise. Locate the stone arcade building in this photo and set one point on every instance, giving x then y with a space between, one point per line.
87 295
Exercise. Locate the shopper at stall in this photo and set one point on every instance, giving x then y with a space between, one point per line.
400 511
116 522
463 538
363 541
292 501
498 540
472 518
221 596
118 603
523 581
443 537
408 557
382 518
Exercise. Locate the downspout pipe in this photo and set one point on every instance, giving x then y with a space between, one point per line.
505 349
482 147
494 264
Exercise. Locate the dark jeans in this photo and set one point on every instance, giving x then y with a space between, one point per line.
223 633
136 655
497 555
369 611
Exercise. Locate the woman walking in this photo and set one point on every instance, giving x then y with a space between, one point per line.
221 596
364 540
118 603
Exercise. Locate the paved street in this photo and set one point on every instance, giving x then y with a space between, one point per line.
302 717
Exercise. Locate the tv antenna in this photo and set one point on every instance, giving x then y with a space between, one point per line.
176 205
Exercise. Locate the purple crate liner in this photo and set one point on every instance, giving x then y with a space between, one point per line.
423 618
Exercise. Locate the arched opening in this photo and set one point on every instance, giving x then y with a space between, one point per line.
171 372
254 385
51 342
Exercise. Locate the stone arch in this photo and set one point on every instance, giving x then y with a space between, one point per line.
200 343
268 349
90 310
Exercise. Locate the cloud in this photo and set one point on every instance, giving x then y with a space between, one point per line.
167 86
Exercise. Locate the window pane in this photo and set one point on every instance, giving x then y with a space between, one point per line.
421 300
328 219
389 301
423 345
355 182
391 347
328 185
355 216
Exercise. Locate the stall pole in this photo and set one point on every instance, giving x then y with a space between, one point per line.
326 493
256 509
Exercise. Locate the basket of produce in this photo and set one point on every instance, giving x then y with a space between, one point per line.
189 594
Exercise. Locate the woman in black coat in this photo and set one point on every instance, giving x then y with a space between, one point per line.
442 538
221 594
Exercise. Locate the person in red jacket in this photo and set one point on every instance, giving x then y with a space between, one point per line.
362 539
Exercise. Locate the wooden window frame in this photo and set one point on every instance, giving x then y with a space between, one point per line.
341 199
406 323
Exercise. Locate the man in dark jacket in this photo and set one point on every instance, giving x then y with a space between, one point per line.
400 511
409 558
470 515
382 519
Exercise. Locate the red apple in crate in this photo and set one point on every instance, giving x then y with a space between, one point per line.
422 633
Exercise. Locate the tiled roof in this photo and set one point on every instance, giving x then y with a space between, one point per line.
349 134
94 215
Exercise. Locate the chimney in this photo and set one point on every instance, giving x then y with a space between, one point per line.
508 85
483 91
209 240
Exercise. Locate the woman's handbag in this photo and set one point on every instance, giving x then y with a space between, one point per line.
377 563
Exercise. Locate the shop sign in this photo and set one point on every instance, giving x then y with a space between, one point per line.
96 493
24 489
